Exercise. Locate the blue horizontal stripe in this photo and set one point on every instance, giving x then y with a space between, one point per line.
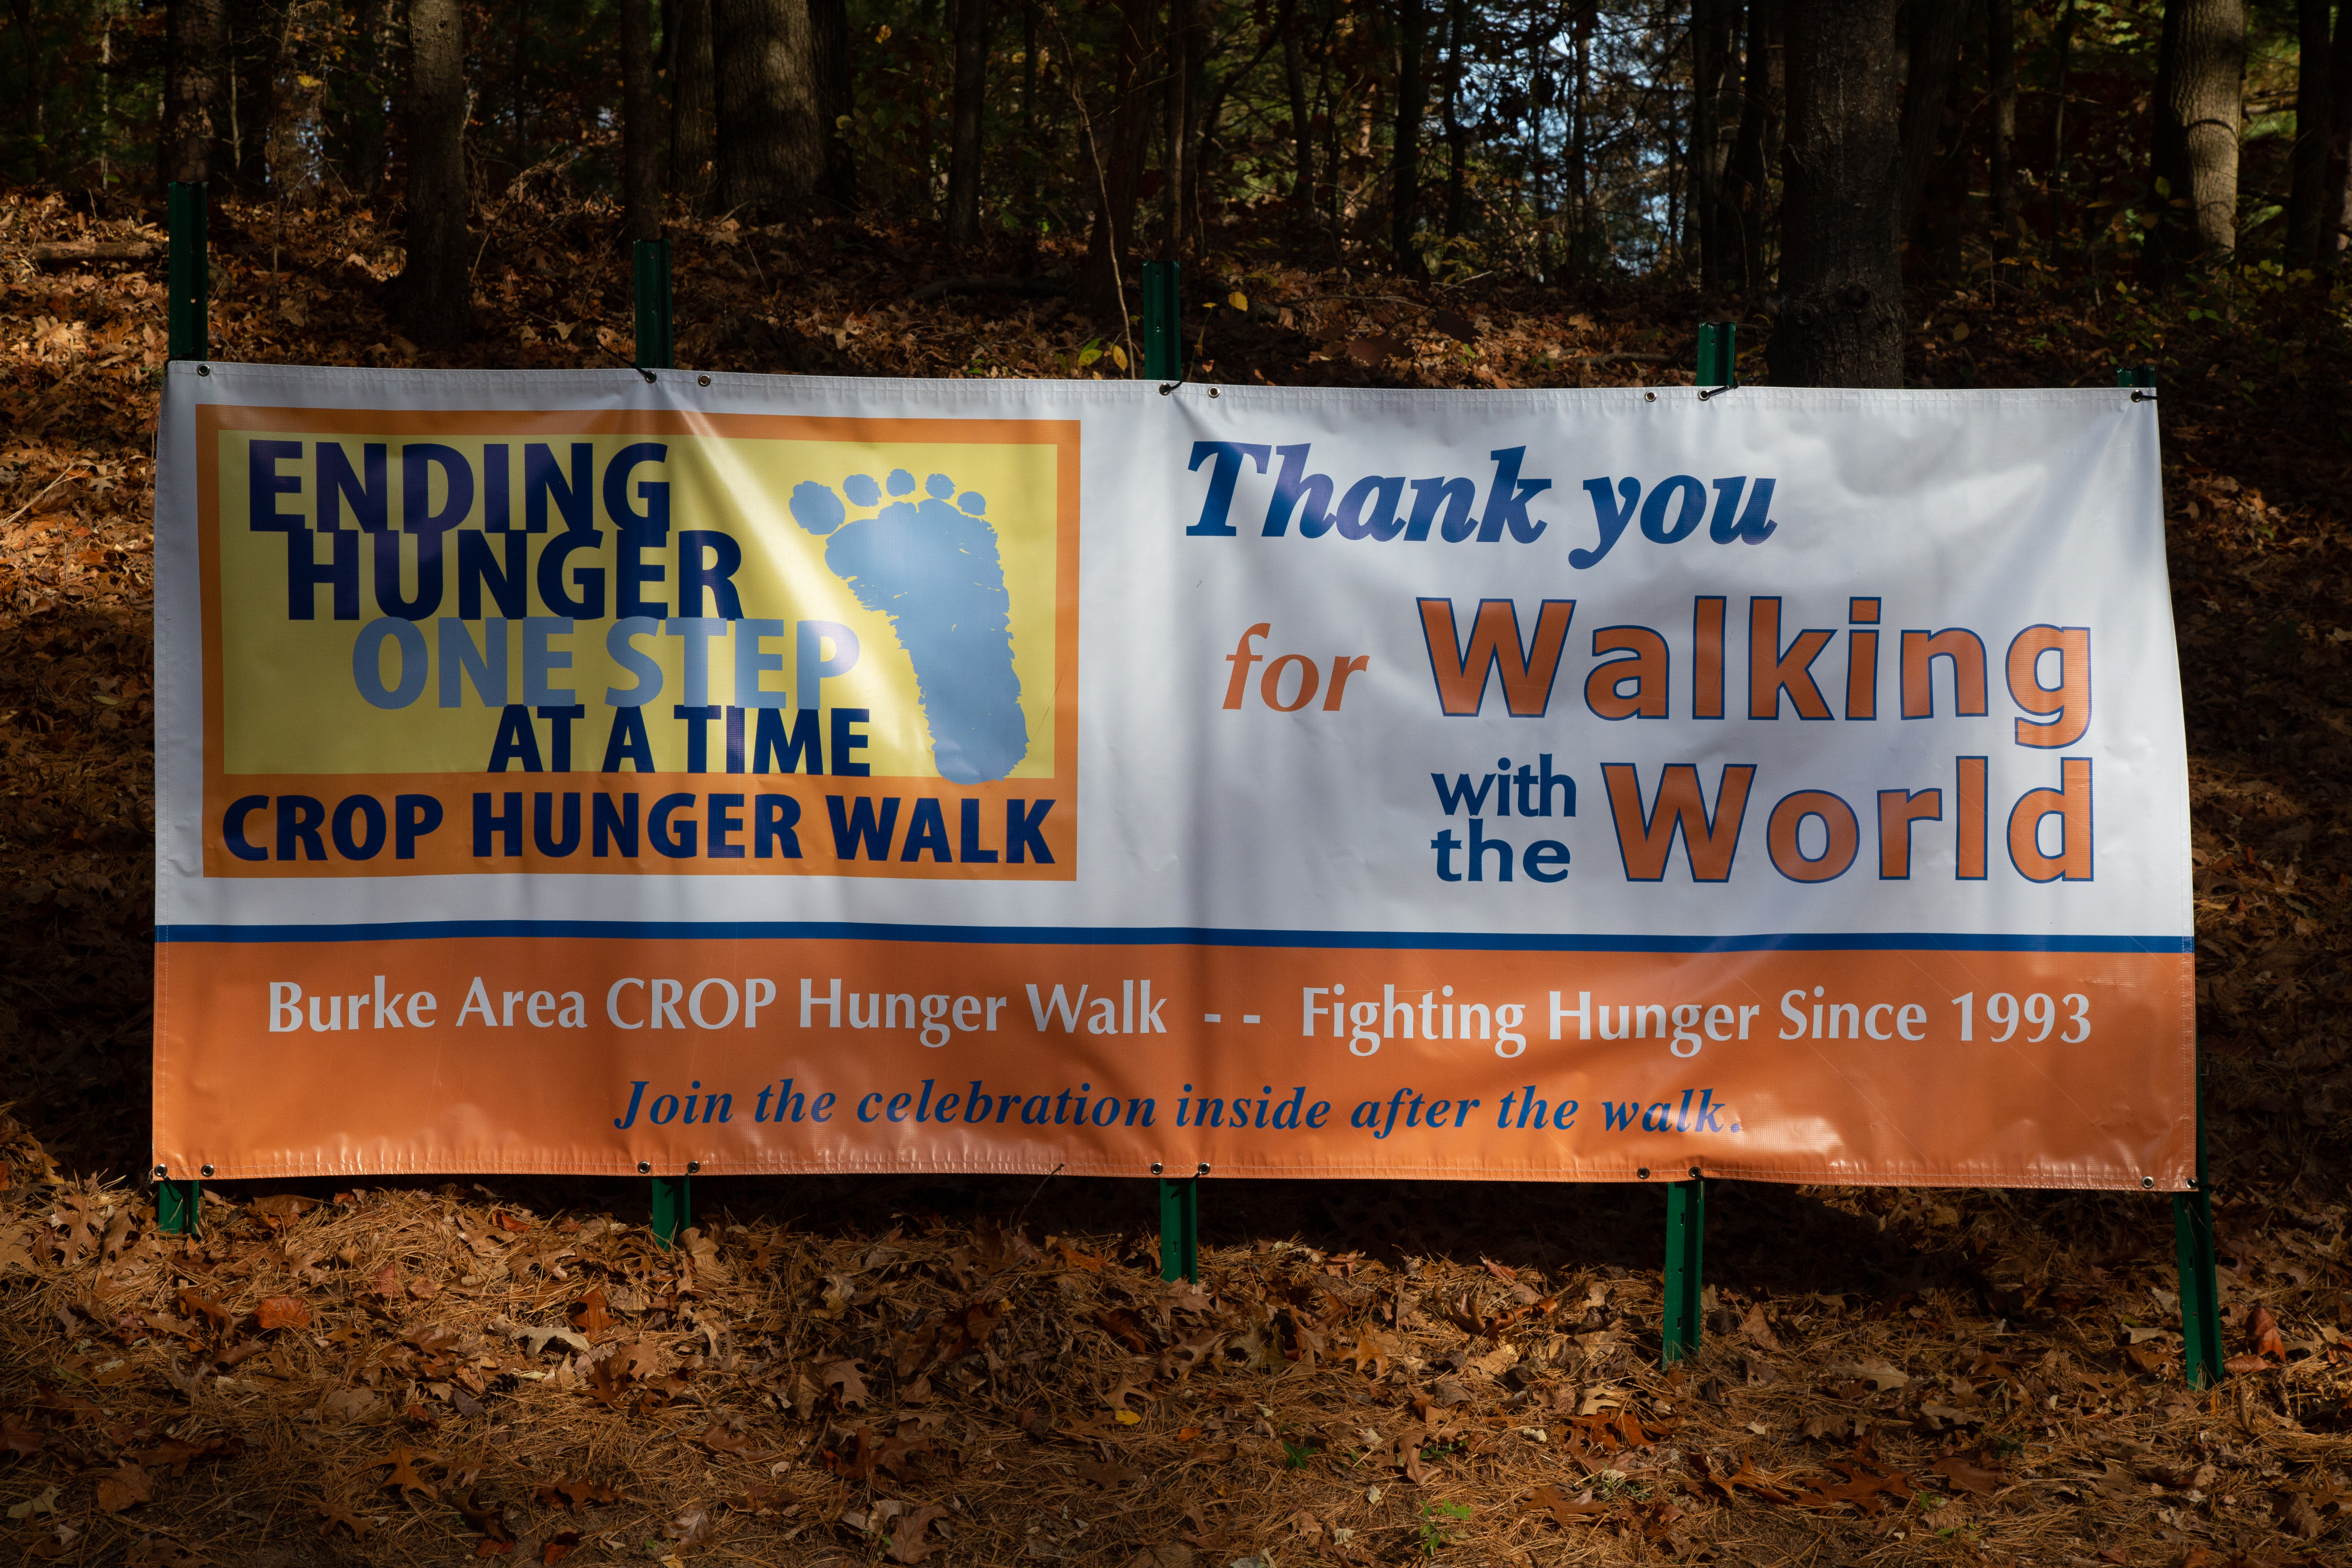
1152 936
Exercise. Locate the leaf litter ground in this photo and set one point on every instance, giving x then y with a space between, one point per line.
910 1370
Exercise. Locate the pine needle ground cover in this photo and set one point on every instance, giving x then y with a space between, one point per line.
965 1371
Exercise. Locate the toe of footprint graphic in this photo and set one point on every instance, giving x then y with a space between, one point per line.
930 565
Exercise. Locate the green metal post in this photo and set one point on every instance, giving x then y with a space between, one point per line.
2192 1211
2200 1301
1163 362
1685 1246
672 1200
657 340
673 1196
1163 324
1180 1229
178 1207
189 274
1685 1314
1718 354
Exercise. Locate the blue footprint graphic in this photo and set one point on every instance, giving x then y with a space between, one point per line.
932 566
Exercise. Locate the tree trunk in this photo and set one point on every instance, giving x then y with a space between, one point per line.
1457 134
1840 320
1202 110
2337 194
1034 157
1327 105
257 47
195 73
434 288
1936 28
519 97
1577 201
1302 122
836 99
1115 162
1710 63
359 96
2064 44
2000 60
1747 191
963 131
692 106
771 144
2200 82
640 179
2306 202
1028 67
1404 149
1175 125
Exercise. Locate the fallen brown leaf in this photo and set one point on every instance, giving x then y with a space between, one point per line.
1109 1476
574 1494
606 1382
126 1486
723 1439
1564 1509
497 1539
1965 1475
281 1312
404 1477
196 1304
844 1377
907 1542
590 1314
331 1513
178 1456
759 1499
1373 1353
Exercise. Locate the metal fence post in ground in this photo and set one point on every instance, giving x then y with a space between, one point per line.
1163 362
189 274
179 1205
1683 1319
2200 1303
2192 1211
1718 354
656 339
1163 324
1686 1248
673 1205
1179 1226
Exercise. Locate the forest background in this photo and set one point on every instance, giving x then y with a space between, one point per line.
1418 193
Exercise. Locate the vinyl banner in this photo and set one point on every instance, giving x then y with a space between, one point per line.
605 771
